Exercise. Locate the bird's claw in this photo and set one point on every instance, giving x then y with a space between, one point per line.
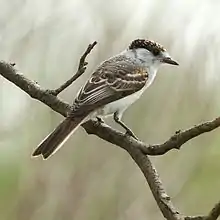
100 120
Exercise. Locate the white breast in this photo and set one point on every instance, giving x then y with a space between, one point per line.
122 104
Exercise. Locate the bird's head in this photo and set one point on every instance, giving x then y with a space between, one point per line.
151 53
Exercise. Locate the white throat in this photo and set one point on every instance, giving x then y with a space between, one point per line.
145 58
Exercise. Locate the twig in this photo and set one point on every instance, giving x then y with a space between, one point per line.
80 71
136 149
181 137
213 214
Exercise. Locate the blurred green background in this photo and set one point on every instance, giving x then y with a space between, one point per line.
89 178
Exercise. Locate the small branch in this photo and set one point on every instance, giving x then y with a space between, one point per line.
181 137
213 214
80 71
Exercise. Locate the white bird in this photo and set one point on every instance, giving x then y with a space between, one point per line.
114 85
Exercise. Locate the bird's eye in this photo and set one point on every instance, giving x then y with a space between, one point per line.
156 52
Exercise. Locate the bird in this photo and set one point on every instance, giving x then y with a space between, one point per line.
112 87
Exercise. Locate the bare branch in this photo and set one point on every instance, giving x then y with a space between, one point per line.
213 214
174 142
163 200
137 149
80 71
181 137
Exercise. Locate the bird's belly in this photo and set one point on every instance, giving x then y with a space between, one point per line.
119 105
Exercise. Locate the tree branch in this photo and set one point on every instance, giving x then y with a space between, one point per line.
163 200
80 71
213 214
181 137
137 149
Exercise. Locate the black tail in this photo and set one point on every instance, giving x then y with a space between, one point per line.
57 138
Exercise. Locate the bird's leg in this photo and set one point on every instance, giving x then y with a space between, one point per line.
117 119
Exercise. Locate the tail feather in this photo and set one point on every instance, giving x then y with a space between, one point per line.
57 138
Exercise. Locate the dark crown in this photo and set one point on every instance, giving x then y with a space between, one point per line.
151 46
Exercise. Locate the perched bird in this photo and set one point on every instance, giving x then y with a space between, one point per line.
114 85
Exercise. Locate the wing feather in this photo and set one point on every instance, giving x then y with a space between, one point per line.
114 79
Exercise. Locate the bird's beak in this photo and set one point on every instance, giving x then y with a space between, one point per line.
169 61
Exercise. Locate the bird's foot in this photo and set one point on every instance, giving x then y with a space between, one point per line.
100 120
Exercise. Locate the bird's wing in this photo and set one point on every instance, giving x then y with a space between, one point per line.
114 79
